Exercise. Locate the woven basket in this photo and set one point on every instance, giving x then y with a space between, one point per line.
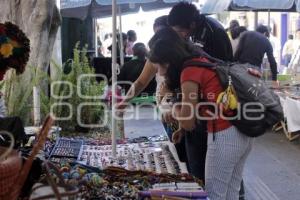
10 167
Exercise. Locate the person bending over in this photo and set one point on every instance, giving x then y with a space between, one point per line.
252 47
227 149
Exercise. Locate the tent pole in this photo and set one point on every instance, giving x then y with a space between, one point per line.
255 19
96 37
114 76
121 38
269 19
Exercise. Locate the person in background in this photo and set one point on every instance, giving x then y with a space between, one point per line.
297 39
106 43
132 69
148 73
131 38
294 64
235 36
275 42
252 47
124 37
164 97
207 32
232 25
100 48
288 50
160 22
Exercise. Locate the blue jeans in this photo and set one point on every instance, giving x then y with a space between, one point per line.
196 146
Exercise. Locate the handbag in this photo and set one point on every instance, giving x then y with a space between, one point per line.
69 191
10 166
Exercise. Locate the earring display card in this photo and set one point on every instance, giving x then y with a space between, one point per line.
66 148
155 157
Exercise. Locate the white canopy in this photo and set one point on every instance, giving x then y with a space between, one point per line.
217 6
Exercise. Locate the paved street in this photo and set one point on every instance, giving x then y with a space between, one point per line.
272 170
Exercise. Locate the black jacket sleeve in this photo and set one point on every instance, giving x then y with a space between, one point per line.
122 75
215 39
272 61
236 56
225 45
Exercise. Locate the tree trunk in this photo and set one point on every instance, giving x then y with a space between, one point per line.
40 20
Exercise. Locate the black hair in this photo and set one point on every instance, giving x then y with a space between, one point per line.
124 36
168 48
131 34
236 32
263 29
139 50
233 24
183 15
106 36
291 37
161 21
166 33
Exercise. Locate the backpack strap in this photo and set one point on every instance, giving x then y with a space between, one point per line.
213 64
190 63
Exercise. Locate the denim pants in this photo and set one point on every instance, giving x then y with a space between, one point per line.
225 160
196 146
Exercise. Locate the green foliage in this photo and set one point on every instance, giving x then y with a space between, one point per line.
18 92
88 87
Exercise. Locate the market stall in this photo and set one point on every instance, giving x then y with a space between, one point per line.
290 101
143 168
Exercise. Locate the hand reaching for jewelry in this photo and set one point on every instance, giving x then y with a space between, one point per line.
275 84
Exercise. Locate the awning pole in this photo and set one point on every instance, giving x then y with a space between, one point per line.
114 77
121 38
96 36
269 19
255 19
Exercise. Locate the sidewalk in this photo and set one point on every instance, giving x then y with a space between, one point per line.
144 125
272 171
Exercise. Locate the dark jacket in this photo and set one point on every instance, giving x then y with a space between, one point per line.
211 34
252 48
131 71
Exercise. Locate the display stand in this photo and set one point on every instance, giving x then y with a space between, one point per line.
282 125
151 169
159 157
289 99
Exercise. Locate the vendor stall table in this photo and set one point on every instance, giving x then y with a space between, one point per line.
290 101
159 157
149 169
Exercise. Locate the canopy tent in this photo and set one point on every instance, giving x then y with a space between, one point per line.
102 8
217 6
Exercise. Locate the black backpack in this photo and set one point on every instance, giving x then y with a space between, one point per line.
252 94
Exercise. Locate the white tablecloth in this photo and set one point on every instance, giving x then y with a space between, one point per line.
291 108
